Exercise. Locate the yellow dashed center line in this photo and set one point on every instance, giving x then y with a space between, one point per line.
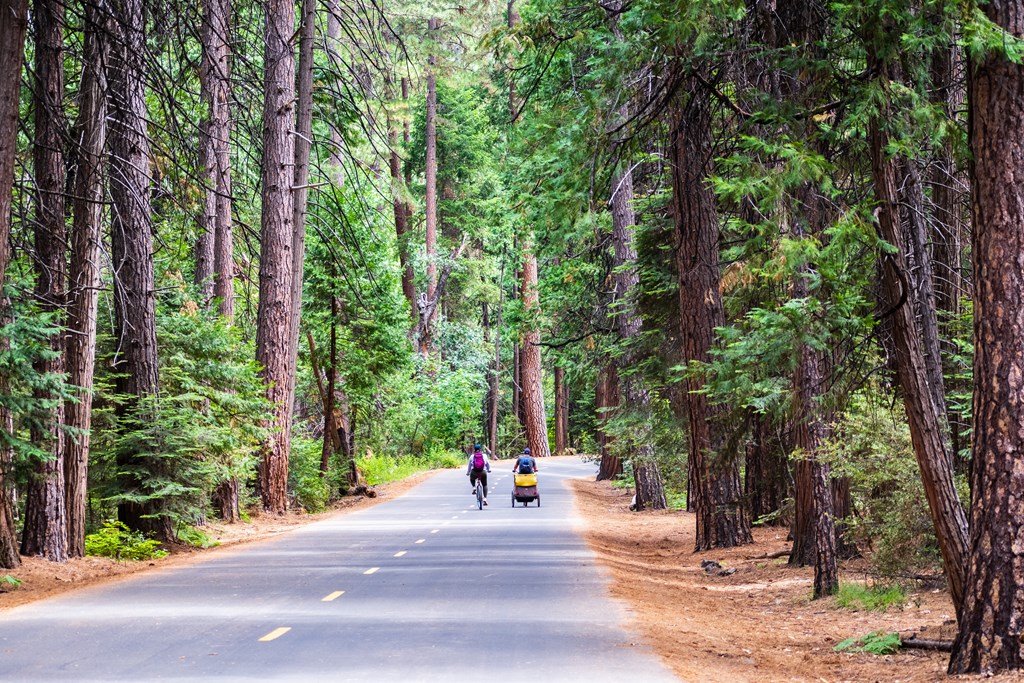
371 570
275 634
400 553
333 596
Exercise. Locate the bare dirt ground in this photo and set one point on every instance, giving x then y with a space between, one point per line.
758 624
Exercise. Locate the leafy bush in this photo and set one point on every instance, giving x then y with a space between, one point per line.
875 643
871 446
310 489
116 540
877 598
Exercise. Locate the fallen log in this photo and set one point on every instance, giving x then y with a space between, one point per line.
913 642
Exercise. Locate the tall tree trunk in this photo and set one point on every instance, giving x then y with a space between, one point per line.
925 417
300 185
815 545
431 164
215 251
274 314
83 292
219 47
132 247
401 209
561 412
650 489
495 388
715 488
992 611
533 386
45 531
606 397
13 24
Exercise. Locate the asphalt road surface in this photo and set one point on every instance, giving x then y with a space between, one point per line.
422 588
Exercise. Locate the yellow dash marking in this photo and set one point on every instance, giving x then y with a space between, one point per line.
400 553
421 540
275 634
333 596
371 570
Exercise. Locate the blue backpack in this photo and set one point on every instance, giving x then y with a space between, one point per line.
526 464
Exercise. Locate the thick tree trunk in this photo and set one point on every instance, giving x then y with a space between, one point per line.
533 386
132 247
606 396
83 292
715 490
992 612
45 530
13 24
274 315
431 165
925 417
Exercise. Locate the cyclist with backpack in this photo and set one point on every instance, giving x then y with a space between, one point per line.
477 468
525 463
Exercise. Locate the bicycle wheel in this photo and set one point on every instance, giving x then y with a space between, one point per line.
479 495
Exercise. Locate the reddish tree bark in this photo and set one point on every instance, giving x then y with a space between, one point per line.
715 488
992 611
533 387
925 417
83 292
45 528
13 24
274 314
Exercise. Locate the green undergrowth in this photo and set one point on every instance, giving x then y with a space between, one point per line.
114 539
384 469
877 598
197 538
875 643
9 583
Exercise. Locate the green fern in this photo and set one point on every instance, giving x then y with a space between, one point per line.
875 643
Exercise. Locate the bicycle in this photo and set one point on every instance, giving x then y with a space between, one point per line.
479 494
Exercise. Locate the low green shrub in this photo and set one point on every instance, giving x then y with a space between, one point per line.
9 583
875 643
877 598
116 540
193 536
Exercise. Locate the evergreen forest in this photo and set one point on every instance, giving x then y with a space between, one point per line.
761 259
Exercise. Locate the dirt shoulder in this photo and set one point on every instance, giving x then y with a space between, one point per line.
758 624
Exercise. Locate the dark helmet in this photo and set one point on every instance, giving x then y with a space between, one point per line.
526 451
477 447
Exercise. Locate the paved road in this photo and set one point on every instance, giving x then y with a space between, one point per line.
422 588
